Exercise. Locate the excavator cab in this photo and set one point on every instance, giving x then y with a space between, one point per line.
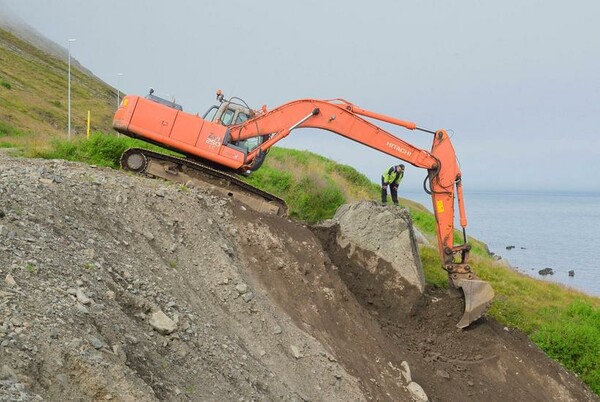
229 113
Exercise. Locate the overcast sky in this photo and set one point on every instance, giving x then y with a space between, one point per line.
517 82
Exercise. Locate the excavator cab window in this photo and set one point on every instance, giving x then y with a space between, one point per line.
227 114
241 117
250 143
211 113
232 116
227 117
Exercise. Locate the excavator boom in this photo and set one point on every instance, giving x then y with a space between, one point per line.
241 142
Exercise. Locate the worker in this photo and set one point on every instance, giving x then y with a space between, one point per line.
391 177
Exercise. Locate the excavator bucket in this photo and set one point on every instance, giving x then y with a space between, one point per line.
478 296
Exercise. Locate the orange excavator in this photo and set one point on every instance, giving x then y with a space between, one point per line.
230 138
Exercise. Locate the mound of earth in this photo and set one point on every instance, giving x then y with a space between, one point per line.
119 287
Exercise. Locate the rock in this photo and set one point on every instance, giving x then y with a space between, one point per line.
420 238
386 232
276 330
81 309
10 281
571 273
417 392
248 297
75 344
510 247
82 298
295 351
95 342
161 323
132 339
546 271
241 288
443 374
279 263
7 374
405 370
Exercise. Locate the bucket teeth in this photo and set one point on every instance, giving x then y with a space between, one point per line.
478 296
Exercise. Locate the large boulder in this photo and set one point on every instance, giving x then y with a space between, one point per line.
387 231
375 250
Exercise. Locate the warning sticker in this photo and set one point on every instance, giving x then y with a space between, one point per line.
440 206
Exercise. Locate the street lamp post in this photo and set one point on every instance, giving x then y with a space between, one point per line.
69 93
119 75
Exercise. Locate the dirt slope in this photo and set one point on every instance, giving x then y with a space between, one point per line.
116 287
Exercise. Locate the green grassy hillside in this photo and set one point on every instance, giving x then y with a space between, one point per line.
33 97
33 119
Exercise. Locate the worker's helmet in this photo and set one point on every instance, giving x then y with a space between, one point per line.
401 166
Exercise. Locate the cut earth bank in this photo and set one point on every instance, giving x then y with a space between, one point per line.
118 287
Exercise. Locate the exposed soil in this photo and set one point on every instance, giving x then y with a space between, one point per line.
257 307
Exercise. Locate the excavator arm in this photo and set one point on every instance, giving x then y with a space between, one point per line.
444 175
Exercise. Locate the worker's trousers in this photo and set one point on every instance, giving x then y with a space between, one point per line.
393 191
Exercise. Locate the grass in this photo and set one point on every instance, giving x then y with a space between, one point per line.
572 335
7 130
30 268
100 149
297 176
33 94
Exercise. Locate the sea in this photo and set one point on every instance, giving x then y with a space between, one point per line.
535 230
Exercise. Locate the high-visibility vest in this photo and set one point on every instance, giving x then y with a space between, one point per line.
391 176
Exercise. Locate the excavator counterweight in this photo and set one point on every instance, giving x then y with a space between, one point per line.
232 138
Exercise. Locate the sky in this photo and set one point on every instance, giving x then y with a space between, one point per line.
516 83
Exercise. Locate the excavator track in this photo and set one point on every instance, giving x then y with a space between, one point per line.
191 172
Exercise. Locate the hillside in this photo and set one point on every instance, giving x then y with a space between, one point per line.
33 96
265 308
254 307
